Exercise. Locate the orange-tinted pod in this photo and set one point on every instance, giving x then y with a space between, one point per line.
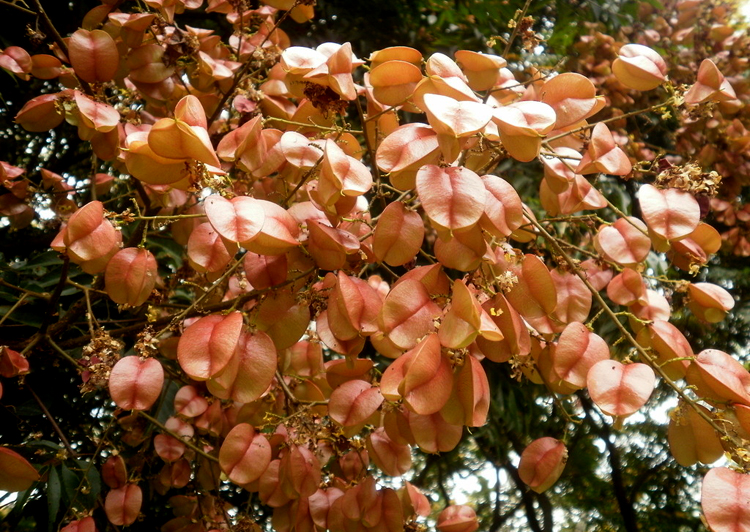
542 463
135 384
94 55
457 518
130 276
724 497
123 505
17 474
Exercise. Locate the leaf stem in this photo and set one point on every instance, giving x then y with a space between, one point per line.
310 124
180 315
238 77
285 387
302 181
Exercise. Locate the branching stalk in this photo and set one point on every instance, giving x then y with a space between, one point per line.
642 352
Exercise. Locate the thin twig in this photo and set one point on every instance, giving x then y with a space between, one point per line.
386 110
192 311
179 438
669 101
19 8
85 473
62 352
517 20
32 342
182 314
169 217
14 307
555 398
51 419
90 314
302 181
609 203
53 300
368 143
310 124
24 290
83 287
287 391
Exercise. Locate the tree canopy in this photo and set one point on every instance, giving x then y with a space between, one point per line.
296 266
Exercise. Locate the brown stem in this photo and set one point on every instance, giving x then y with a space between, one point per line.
368 143
310 125
302 181
85 473
526 497
26 292
62 352
179 438
612 119
441 484
75 310
514 34
32 342
13 308
609 203
287 391
627 511
180 315
51 419
13 5
556 399
52 310
58 40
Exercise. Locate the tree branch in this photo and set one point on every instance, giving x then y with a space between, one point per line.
645 355
287 391
526 498
627 511
13 5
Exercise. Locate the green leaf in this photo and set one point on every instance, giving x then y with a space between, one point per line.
69 481
54 494
166 408
27 316
47 258
45 443
167 247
